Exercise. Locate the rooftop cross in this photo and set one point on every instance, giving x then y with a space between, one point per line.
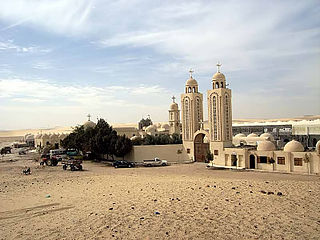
173 98
191 71
89 116
219 66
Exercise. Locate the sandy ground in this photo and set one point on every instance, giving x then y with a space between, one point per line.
175 202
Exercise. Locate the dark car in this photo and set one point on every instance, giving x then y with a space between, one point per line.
127 164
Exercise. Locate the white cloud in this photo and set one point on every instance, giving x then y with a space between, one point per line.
62 16
11 46
50 101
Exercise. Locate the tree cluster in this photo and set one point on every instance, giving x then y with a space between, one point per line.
100 140
162 139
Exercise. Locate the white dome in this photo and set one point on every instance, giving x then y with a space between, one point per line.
151 128
165 126
267 135
174 106
218 76
293 146
30 137
318 147
266 146
38 135
252 135
239 135
134 138
157 125
89 124
191 82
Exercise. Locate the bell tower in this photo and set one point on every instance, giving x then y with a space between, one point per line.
174 117
192 112
219 113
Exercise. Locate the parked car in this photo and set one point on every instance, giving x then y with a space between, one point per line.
155 162
49 161
123 163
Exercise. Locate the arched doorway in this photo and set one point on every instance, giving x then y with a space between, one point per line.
252 162
200 148
234 160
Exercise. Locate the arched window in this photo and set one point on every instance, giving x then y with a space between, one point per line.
217 85
194 89
215 130
189 90
221 84
227 118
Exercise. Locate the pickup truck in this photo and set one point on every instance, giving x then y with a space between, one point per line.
155 162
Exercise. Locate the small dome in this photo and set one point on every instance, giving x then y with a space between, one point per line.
45 135
134 138
165 126
293 146
174 106
205 139
157 125
268 136
266 146
318 147
191 82
151 128
89 124
218 76
39 135
239 135
30 137
252 135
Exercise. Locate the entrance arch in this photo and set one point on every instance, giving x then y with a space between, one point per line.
200 148
252 163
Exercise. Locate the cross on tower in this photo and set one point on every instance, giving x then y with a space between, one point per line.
173 98
219 66
89 116
191 71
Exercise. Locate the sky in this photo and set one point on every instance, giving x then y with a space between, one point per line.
122 60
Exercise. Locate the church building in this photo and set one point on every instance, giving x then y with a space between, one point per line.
216 137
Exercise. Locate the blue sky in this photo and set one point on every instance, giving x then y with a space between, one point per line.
121 60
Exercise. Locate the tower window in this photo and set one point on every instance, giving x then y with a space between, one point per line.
221 84
189 90
217 85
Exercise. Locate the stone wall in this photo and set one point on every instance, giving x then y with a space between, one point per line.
173 153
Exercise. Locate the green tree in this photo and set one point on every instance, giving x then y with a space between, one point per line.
123 146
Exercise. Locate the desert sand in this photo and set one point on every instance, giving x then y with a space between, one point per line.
174 202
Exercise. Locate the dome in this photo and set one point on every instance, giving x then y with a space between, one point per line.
318 147
157 125
151 128
174 106
266 146
165 126
45 135
191 82
205 140
293 146
89 124
218 76
239 135
252 135
30 137
39 135
267 135
134 138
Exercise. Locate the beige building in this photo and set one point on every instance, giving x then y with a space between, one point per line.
252 151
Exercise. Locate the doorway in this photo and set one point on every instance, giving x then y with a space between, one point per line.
234 160
200 148
252 162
